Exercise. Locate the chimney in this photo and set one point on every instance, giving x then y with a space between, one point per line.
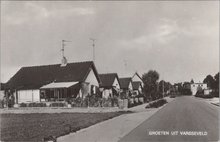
63 62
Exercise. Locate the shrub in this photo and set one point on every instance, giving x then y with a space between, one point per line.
200 93
215 93
204 96
57 104
134 103
186 91
31 104
1 103
37 104
106 102
156 103
40 105
23 105
76 102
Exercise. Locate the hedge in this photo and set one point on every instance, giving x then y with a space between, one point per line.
37 105
57 104
156 103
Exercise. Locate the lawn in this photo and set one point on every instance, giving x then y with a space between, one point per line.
36 126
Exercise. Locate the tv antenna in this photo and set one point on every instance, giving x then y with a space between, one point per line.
93 45
63 45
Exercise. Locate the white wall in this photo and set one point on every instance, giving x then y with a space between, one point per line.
28 96
194 87
140 89
91 79
116 84
106 93
130 86
136 78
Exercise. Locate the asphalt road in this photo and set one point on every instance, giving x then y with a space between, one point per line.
185 114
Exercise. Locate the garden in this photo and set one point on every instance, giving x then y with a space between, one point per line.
39 126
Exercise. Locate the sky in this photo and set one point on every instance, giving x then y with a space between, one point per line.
178 39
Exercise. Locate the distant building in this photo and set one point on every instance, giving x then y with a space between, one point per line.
54 82
137 84
109 85
195 86
126 86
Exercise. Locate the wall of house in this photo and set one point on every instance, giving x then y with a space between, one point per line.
140 89
91 79
194 87
116 84
106 93
28 95
136 78
2 94
130 86
85 90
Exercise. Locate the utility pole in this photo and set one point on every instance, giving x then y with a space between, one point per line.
93 45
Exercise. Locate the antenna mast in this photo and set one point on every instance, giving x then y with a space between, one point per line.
63 45
63 60
93 45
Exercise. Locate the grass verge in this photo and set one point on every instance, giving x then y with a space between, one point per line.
36 126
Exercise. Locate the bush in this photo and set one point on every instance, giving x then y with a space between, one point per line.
41 105
76 102
200 93
134 102
204 96
57 104
1 103
106 102
37 105
23 105
186 91
31 104
156 103
215 93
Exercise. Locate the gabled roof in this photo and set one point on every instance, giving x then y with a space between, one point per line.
137 76
124 82
36 76
136 85
107 79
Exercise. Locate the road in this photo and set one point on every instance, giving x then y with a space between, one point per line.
184 114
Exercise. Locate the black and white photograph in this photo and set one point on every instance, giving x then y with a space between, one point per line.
109 71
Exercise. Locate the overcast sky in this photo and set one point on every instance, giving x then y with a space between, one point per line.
178 39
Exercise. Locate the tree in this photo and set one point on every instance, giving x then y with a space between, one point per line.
164 86
192 81
216 83
150 84
210 81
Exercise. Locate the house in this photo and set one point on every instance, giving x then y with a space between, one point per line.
126 86
137 84
137 88
2 90
54 82
137 78
109 85
195 86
